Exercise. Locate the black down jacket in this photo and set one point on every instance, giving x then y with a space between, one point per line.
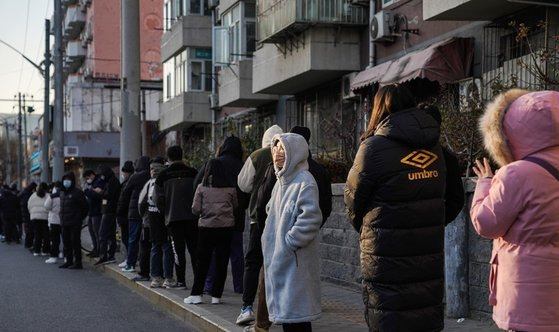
73 204
131 192
395 197
111 193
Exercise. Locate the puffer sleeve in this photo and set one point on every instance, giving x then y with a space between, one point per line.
496 204
308 218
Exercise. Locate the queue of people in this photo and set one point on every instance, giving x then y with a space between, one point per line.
401 192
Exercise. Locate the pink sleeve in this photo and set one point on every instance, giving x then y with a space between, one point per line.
496 204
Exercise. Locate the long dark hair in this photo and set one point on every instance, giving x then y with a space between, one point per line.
388 99
215 175
42 189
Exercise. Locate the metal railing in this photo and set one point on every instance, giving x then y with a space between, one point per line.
276 16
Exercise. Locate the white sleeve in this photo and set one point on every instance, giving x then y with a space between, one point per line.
245 180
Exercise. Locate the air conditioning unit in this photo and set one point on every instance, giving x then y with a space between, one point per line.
383 27
346 87
214 101
71 151
213 3
470 94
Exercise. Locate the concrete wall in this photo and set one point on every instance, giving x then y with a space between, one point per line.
184 110
188 31
318 55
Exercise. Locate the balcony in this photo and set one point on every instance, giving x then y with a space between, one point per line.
283 19
74 22
188 31
235 87
185 110
321 56
468 10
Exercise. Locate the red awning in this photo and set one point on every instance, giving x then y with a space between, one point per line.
444 62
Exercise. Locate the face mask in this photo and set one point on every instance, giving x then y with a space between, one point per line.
54 190
67 183
89 181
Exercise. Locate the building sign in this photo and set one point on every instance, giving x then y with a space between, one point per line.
203 53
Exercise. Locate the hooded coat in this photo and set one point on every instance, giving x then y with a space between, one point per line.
253 170
290 242
111 192
73 204
395 198
131 192
518 209
52 204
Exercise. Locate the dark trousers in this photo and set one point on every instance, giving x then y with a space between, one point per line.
55 231
93 225
237 264
135 231
184 232
262 317
29 234
253 263
123 224
71 237
145 253
210 240
107 236
10 229
297 327
42 241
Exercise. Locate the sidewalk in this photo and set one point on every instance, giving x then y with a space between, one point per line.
342 307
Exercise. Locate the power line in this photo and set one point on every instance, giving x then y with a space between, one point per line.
24 43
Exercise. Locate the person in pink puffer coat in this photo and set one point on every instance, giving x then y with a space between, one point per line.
519 208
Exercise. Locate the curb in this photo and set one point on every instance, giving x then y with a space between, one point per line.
202 319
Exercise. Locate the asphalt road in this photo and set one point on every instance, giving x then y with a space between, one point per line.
35 296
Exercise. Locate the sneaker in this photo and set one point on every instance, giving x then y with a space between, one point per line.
51 260
44 254
193 299
35 254
168 283
140 278
100 261
128 268
65 265
156 282
77 266
123 264
179 285
216 300
246 316
111 260
253 328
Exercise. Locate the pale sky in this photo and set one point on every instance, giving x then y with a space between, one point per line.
22 25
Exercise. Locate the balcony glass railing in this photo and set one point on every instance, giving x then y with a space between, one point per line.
275 16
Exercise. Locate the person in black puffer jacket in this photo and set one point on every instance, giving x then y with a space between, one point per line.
73 210
395 195
10 214
129 197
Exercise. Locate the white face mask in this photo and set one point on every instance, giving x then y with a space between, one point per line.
89 181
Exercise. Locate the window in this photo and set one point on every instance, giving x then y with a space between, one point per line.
196 7
189 70
239 42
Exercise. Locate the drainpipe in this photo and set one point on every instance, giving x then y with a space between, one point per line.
372 47
212 109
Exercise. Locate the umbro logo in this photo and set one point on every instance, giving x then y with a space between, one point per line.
420 159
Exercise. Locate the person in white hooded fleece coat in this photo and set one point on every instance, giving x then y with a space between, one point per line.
290 242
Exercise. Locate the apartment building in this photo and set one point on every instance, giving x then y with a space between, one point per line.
91 42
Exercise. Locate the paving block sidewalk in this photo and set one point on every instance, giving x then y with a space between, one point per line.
342 307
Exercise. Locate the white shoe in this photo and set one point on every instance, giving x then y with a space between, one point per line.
123 264
156 282
51 260
216 300
35 254
246 316
193 299
44 254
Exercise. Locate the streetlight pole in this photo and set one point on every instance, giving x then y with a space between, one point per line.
25 147
58 123
19 145
46 112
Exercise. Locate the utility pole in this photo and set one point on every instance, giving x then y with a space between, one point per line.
8 153
144 125
130 140
46 111
19 145
25 147
58 123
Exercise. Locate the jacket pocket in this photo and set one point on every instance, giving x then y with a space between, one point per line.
493 280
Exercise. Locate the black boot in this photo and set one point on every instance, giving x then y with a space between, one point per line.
66 265
77 266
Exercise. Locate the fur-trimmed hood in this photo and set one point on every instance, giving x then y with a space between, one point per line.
519 123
